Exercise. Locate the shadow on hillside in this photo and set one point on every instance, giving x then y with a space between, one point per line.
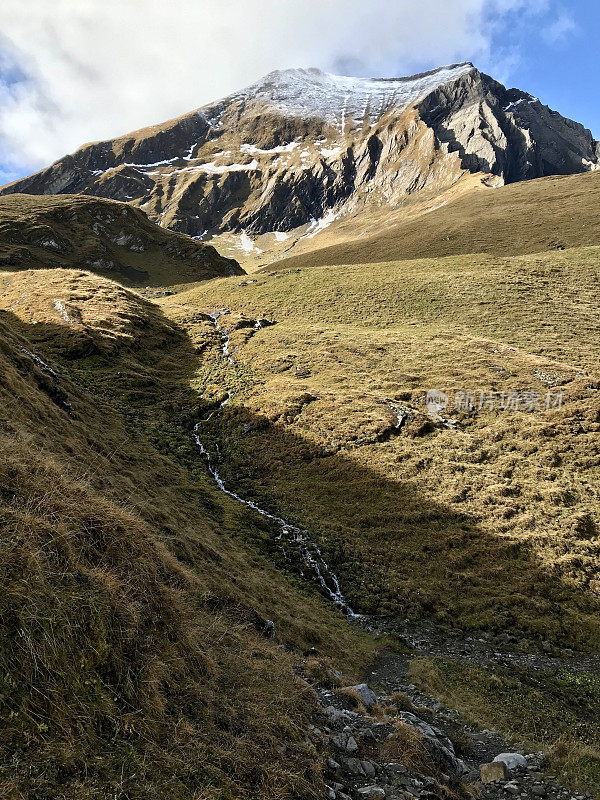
394 550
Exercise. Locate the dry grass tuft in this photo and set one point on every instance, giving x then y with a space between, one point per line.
406 747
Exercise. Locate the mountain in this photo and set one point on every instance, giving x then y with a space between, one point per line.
530 217
301 149
103 236
226 501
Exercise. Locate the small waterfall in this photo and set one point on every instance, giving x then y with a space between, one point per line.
215 316
289 535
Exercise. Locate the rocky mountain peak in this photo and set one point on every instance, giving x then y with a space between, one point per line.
338 99
301 149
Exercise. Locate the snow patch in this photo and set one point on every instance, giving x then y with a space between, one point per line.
318 225
247 244
211 168
330 152
338 99
64 314
52 244
252 150
163 163
532 100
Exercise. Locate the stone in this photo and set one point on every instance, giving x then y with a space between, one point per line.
496 771
335 714
512 788
512 761
371 793
344 742
438 745
366 694
354 766
368 768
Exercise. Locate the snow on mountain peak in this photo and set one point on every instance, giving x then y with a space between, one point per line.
336 98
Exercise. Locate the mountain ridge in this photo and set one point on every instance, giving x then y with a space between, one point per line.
189 477
103 236
275 158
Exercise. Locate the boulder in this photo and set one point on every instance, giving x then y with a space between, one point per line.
496 771
438 745
366 694
354 766
512 761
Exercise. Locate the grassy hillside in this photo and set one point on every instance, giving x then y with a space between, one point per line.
134 661
103 236
491 522
529 217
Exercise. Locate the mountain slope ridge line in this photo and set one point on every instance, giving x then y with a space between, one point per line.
301 149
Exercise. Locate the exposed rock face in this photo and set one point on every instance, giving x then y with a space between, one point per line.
303 147
507 133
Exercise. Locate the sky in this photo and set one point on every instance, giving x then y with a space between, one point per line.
73 71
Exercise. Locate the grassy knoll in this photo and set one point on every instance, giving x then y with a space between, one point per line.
133 659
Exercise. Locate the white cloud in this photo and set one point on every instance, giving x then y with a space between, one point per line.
559 30
98 68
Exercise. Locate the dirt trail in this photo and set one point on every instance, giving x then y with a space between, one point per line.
443 728
480 648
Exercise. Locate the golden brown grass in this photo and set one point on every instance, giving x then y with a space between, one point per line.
104 236
528 217
132 661
494 524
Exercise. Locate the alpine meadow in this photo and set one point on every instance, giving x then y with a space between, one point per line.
300 464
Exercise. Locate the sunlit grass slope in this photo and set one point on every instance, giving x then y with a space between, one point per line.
493 523
529 217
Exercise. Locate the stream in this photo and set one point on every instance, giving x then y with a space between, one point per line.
424 640
290 535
